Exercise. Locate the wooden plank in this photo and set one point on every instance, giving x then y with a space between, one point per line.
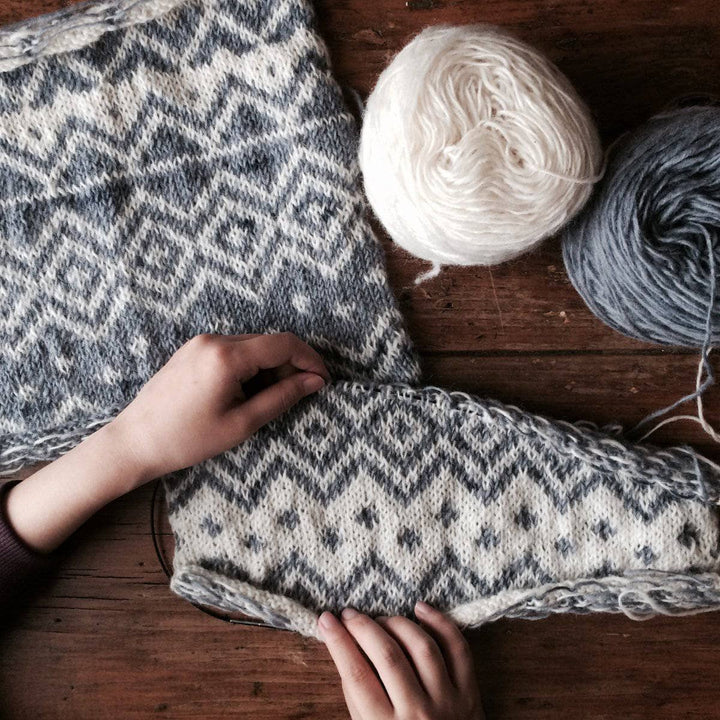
526 305
628 60
606 389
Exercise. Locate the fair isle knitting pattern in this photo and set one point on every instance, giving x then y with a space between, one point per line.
194 171
375 496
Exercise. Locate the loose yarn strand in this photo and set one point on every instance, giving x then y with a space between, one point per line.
703 366
433 272
697 395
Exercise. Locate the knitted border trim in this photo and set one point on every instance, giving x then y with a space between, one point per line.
584 440
640 595
50 446
73 28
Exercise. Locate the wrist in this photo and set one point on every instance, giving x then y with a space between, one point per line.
53 502
129 470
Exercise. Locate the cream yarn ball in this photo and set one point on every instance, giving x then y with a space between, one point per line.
474 147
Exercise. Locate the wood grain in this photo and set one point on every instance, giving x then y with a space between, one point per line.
107 639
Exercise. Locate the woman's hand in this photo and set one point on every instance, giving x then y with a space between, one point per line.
196 406
394 669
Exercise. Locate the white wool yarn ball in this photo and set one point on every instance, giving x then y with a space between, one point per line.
475 147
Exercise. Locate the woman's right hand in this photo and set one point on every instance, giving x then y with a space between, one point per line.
425 671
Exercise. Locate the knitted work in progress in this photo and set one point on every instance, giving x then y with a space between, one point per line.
375 496
191 174
195 170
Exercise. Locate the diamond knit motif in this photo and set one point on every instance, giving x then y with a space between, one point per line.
195 173
173 167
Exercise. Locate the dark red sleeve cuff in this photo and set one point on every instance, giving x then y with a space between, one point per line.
21 567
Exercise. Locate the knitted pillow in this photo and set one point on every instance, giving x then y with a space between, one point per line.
195 171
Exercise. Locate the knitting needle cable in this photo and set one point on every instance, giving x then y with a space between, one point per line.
166 569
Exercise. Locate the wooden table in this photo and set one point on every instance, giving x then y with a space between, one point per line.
108 639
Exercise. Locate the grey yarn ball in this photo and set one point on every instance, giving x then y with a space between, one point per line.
644 252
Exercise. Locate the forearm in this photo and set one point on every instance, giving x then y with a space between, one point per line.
51 504
192 409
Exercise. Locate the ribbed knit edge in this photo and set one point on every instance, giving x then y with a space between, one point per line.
73 28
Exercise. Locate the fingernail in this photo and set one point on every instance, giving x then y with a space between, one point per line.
349 613
422 608
327 620
312 383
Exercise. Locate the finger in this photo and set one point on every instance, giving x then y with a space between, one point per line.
284 371
273 401
245 336
362 690
355 713
271 351
423 651
264 379
387 657
454 646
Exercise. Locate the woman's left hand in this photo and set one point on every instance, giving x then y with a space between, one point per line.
196 406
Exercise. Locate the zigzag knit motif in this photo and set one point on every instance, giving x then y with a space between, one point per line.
169 168
376 496
191 174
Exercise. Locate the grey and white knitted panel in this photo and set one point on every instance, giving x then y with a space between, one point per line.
169 168
375 496
195 173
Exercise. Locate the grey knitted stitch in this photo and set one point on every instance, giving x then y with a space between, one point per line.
169 168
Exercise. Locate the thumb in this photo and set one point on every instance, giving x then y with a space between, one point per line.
273 401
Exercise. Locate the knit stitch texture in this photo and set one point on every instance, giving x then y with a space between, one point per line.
195 170
191 174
